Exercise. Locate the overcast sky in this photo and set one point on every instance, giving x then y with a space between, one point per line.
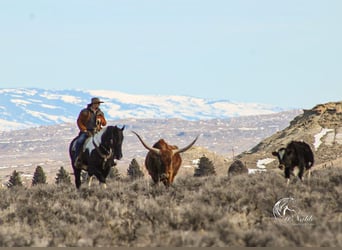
285 53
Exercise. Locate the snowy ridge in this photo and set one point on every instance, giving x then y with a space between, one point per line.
26 107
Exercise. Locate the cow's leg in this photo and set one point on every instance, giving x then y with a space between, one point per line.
77 174
155 178
173 174
308 175
301 172
287 172
103 185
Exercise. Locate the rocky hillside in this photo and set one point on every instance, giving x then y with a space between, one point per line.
320 127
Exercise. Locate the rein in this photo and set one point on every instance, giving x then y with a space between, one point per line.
104 156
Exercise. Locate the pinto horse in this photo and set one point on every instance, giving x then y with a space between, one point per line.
98 153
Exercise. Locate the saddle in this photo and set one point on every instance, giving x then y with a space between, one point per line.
79 162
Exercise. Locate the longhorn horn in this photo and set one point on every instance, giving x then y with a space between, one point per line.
155 150
185 148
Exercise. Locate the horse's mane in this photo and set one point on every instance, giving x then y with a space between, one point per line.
98 136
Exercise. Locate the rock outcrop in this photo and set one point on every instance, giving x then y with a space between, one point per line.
320 127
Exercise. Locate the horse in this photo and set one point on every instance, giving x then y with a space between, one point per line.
98 153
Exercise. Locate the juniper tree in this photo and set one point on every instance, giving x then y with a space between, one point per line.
39 176
205 168
63 177
15 180
134 170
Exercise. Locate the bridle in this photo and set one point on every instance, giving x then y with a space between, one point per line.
108 153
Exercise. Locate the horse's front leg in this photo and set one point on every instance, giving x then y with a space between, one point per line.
102 180
90 180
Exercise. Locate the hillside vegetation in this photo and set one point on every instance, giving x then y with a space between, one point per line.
195 211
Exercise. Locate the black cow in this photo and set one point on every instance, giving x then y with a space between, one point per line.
296 154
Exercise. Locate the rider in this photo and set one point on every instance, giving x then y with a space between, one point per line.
89 121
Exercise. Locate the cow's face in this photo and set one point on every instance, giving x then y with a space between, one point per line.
286 157
165 159
281 155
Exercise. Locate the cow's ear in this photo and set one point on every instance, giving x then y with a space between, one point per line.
275 153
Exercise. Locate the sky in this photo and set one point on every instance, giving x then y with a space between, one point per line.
283 53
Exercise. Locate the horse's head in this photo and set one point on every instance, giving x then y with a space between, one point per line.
113 138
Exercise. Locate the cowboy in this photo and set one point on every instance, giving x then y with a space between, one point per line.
89 121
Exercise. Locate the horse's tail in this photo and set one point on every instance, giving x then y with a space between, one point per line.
72 147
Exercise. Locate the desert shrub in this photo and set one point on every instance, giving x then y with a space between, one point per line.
237 167
39 176
205 167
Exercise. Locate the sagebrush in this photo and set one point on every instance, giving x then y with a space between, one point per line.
194 211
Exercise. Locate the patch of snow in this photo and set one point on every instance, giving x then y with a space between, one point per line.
65 98
35 100
263 162
248 129
49 106
19 91
8 125
20 102
319 136
256 170
196 161
49 118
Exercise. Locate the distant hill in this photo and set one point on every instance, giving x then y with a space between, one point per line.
320 127
32 107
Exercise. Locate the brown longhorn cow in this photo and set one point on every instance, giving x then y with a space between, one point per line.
163 160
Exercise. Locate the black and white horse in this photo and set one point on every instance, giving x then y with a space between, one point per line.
98 153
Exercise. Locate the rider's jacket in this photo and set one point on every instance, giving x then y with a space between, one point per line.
87 119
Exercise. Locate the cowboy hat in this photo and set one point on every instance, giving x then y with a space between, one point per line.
95 100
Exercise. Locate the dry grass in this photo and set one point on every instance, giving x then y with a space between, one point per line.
202 211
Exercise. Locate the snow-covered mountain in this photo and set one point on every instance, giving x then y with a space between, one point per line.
30 107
